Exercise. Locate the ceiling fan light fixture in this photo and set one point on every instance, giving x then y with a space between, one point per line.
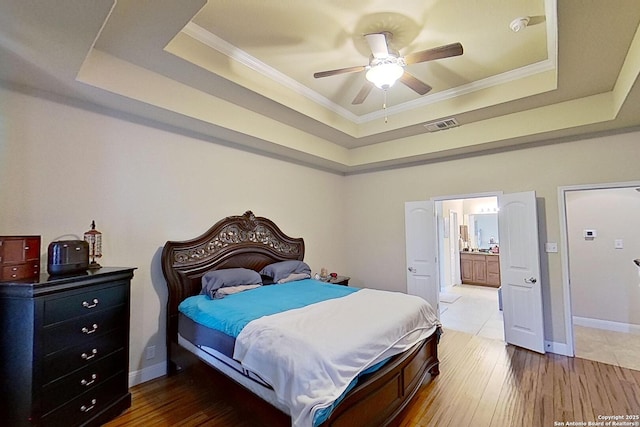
384 74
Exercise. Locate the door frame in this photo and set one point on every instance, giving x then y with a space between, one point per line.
438 208
564 252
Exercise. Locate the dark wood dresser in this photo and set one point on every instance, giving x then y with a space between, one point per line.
64 355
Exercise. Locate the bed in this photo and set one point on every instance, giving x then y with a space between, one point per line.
375 397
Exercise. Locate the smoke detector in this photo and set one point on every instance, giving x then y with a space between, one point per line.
519 24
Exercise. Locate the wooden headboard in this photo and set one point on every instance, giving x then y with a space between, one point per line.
236 241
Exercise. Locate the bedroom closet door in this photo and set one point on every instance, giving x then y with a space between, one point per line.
520 271
421 252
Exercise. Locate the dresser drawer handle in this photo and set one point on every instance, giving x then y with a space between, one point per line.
88 383
88 331
85 408
89 305
14 269
93 354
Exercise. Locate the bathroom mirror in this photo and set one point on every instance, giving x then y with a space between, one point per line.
485 230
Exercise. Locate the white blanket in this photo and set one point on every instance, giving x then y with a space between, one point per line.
310 355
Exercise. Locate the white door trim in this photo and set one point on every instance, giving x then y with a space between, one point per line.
466 196
564 251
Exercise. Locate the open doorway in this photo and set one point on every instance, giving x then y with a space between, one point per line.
518 268
601 243
468 252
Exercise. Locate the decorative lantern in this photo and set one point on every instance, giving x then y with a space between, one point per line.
94 238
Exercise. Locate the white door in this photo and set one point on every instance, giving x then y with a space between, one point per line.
421 244
520 271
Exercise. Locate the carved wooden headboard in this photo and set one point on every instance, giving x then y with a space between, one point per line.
236 241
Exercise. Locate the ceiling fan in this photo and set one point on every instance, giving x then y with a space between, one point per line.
386 66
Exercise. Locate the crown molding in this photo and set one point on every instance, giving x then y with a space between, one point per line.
209 39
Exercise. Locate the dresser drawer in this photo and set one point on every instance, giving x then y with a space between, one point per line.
69 387
20 271
83 329
65 361
78 304
87 405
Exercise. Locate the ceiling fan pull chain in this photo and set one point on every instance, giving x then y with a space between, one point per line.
384 106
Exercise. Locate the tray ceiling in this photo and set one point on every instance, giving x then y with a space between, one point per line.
241 72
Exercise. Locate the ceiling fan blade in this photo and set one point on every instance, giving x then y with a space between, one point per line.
378 45
415 84
339 71
446 51
364 92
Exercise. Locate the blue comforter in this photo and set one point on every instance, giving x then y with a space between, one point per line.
232 313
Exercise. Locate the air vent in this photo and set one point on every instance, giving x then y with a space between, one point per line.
441 125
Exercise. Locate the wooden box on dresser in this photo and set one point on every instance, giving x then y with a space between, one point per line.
64 355
19 257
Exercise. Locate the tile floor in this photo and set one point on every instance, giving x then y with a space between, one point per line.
476 312
615 348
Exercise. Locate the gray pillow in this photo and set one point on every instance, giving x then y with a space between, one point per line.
216 279
282 269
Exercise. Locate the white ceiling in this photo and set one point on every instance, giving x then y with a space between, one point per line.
241 72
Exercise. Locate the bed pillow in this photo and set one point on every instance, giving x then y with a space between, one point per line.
282 270
227 277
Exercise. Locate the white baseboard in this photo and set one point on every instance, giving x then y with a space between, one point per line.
557 348
147 374
607 325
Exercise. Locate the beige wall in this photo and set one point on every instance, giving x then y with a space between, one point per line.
375 204
61 167
604 280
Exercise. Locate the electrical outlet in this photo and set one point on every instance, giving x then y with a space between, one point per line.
618 244
151 352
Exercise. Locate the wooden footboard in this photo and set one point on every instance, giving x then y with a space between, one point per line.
381 396
377 400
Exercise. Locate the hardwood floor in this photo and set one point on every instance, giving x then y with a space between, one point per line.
482 382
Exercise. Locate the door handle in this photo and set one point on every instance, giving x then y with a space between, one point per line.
412 270
531 280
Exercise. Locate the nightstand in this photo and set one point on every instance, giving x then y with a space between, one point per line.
340 280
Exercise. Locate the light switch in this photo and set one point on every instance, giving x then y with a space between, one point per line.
551 247
618 244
